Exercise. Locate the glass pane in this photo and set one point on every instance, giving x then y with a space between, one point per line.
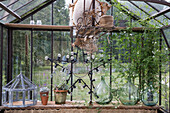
134 9
41 67
158 6
155 23
168 14
167 34
163 19
21 53
26 21
145 7
5 53
21 8
61 13
62 46
161 7
44 15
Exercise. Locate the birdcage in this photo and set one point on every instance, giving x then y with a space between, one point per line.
20 92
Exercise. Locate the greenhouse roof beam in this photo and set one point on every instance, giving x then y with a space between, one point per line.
158 14
144 11
3 6
156 9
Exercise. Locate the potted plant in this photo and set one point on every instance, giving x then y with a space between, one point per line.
60 94
44 95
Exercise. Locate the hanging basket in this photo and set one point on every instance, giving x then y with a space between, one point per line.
89 44
106 21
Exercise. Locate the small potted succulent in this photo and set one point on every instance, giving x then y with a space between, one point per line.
60 93
44 95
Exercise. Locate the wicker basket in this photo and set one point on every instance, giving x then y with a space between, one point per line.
106 21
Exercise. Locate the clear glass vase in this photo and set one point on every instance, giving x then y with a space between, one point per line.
150 96
129 94
102 93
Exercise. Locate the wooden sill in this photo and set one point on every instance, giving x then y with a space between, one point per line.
80 105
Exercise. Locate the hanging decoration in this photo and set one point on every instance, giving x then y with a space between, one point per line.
87 18
81 12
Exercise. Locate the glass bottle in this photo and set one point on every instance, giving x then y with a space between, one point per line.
102 93
129 94
150 96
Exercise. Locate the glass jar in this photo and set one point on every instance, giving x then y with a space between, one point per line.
150 96
102 93
128 94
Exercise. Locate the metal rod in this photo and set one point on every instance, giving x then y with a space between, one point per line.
93 8
160 74
111 49
31 52
52 39
1 66
84 12
91 81
9 67
169 79
31 73
71 74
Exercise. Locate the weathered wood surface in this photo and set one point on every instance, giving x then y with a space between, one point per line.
81 105
64 28
82 111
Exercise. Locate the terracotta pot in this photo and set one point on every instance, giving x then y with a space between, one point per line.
44 99
60 96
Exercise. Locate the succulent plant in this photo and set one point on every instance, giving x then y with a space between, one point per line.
44 95
44 89
62 87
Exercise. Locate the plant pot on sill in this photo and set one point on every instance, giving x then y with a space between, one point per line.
44 98
60 96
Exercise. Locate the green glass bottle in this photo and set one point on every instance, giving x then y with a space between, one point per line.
102 93
129 94
150 96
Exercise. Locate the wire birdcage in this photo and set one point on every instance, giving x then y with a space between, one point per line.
20 92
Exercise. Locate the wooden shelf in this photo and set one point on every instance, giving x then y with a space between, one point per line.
101 30
80 105
38 27
67 28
